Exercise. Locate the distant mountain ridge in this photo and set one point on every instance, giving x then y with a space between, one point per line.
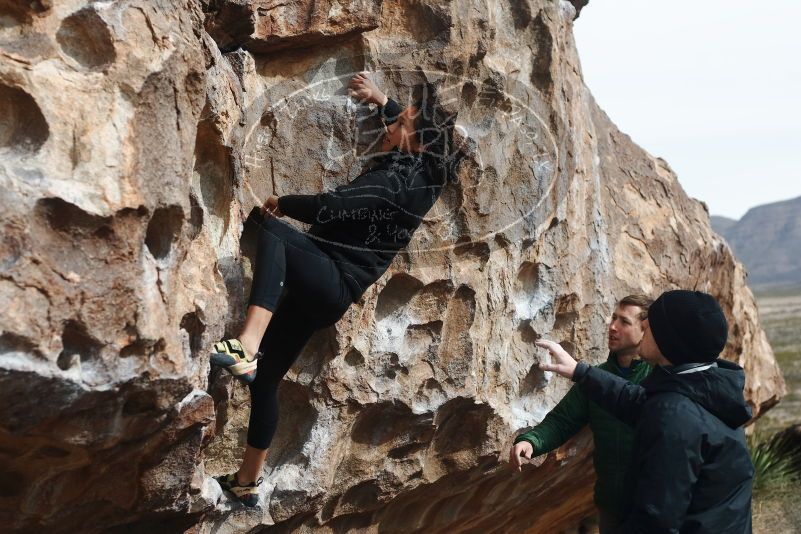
768 241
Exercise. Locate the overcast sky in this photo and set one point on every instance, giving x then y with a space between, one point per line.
711 86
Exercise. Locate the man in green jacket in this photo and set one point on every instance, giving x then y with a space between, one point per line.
613 438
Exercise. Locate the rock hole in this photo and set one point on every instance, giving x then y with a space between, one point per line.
163 230
396 294
578 4
461 425
194 328
469 94
65 217
569 347
195 217
77 342
23 128
66 360
493 94
541 68
521 13
138 348
214 172
362 496
85 37
354 358
404 451
527 332
429 303
533 381
11 342
456 348
104 232
432 328
475 249
529 276
565 321
432 385
23 10
565 311
391 424
230 24
424 22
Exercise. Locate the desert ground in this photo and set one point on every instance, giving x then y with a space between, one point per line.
778 510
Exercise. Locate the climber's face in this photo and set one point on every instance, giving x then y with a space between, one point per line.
402 133
649 351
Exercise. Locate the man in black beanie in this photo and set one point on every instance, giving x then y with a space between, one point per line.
692 471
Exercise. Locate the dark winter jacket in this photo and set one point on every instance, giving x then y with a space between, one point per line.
692 472
365 223
613 438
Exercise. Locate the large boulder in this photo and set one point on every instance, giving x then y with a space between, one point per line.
132 147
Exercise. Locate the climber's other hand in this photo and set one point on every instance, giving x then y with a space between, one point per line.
365 90
270 207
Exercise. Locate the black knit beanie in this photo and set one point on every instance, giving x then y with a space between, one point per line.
688 326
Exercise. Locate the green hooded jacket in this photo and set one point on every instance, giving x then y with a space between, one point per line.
613 439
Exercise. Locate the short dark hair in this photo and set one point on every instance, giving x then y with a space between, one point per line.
435 127
641 301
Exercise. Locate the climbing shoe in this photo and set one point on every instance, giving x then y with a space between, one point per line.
247 494
231 355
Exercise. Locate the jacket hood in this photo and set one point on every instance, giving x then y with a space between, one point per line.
718 389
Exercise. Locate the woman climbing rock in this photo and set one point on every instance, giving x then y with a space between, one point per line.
303 282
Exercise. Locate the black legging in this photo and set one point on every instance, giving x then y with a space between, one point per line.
314 296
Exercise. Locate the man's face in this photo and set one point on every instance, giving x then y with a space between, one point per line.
649 351
625 330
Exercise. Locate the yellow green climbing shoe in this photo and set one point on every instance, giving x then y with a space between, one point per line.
231 355
248 494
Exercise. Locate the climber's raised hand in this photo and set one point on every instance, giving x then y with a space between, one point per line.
562 363
519 453
270 207
365 90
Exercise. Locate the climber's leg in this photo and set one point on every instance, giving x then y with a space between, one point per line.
269 275
239 355
286 259
294 323
252 463
256 322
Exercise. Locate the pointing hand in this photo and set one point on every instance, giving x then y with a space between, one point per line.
562 363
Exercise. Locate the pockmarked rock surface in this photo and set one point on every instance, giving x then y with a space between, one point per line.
135 136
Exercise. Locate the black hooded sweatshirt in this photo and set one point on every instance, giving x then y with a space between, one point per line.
691 471
362 225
